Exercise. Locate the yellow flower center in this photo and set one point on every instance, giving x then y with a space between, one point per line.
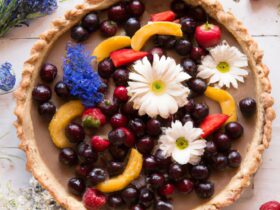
158 87
182 143
223 67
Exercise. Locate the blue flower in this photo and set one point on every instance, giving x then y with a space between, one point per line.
18 12
7 77
80 76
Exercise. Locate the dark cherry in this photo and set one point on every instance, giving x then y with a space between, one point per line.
137 126
199 14
130 194
185 186
115 168
200 172
103 88
62 90
248 107
83 169
117 13
167 42
41 93
47 109
205 189
197 53
234 159
136 8
48 72
68 156
106 68
91 22
163 205
179 7
76 186
108 28
156 180
189 66
118 120
166 189
96 176
189 107
86 153
127 109
117 136
183 47
115 201
153 127
234 130
211 148
222 142
150 163
197 85
120 77
108 107
79 33
166 122
75 132
200 111
118 152
186 118
131 26
176 171
145 145
146 197
188 25
220 162
161 160
137 207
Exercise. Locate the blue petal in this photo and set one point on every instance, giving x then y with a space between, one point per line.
7 77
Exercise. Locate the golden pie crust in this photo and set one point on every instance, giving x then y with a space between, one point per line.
265 115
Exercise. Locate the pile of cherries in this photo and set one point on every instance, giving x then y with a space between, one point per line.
162 177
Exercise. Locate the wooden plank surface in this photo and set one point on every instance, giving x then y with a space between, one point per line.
260 17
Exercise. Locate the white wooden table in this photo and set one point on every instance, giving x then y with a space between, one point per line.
260 17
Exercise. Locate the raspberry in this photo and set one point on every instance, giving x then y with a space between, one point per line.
93 199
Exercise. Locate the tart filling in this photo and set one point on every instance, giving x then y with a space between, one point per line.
149 119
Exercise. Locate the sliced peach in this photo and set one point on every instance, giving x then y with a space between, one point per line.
104 49
225 100
161 28
64 115
131 172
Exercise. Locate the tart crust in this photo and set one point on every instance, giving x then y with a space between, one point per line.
265 114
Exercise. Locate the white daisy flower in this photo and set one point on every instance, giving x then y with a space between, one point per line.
183 143
224 66
157 89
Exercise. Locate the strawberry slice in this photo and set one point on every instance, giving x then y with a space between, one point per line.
212 123
163 16
126 56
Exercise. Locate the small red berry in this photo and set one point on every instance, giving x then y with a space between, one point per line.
130 138
271 205
208 35
99 144
93 118
121 93
94 199
118 120
167 189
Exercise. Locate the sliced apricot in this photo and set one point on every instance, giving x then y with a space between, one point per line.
64 115
226 101
104 49
161 28
131 172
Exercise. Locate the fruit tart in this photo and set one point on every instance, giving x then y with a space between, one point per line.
145 105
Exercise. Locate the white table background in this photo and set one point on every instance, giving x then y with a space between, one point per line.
260 17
